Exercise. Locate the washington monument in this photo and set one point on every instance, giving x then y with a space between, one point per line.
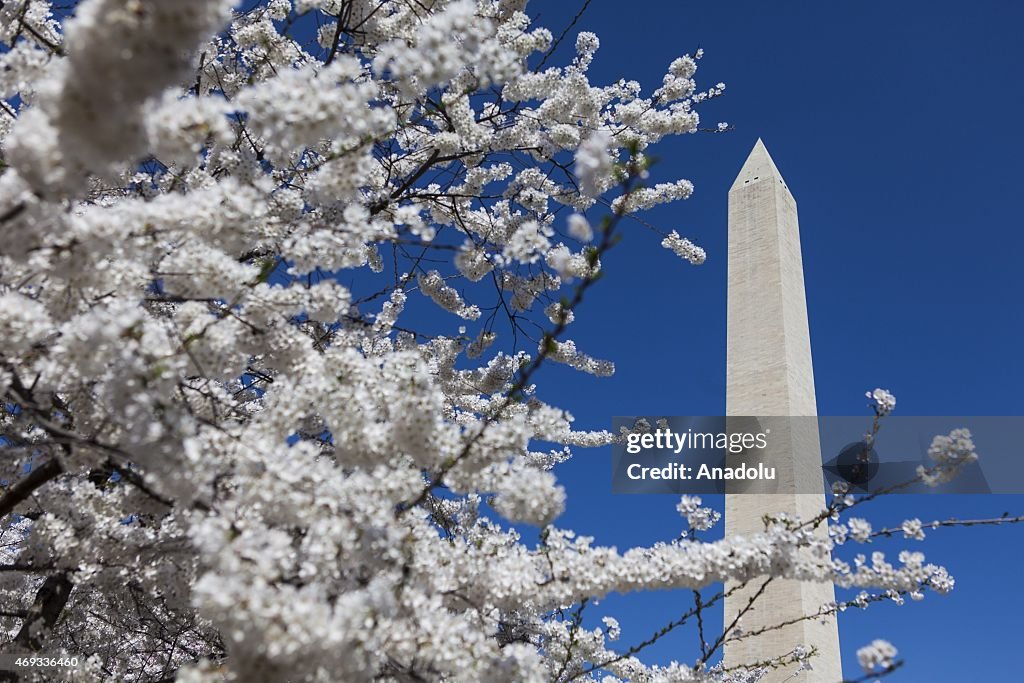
769 373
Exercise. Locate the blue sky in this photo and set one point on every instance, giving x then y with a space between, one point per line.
896 126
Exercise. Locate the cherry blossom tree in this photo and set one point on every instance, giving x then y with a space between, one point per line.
231 448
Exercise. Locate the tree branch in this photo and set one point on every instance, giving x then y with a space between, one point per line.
28 485
49 603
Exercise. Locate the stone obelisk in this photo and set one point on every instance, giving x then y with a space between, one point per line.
770 374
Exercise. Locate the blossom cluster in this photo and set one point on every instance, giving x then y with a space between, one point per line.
879 654
950 454
882 401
